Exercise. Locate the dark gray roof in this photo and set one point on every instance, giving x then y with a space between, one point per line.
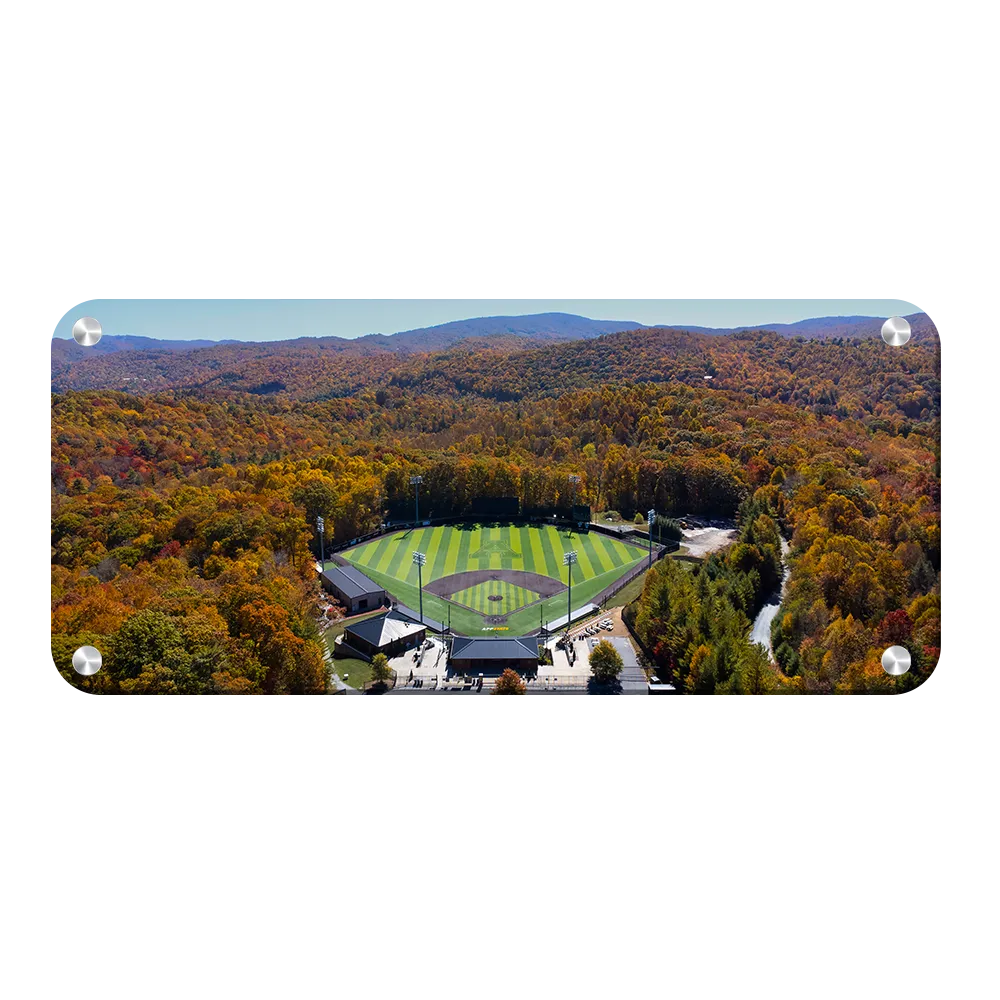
495 649
432 623
350 582
370 629
380 630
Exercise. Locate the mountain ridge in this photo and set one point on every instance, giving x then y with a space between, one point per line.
538 327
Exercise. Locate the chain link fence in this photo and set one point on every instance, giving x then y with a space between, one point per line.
620 584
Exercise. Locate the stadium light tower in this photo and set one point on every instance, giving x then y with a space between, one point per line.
419 559
575 480
651 518
321 528
415 482
569 558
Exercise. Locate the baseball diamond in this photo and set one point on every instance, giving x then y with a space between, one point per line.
495 597
467 565
543 586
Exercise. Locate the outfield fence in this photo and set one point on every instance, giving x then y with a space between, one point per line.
605 595
432 522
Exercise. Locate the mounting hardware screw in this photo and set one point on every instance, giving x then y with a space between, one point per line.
896 660
895 331
87 660
86 331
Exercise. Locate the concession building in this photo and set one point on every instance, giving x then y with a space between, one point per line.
474 656
391 634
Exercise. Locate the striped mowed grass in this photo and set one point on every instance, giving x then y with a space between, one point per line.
509 597
532 548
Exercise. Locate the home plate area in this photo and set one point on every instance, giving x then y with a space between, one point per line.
495 592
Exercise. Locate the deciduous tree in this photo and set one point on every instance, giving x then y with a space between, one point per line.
381 671
605 662
509 682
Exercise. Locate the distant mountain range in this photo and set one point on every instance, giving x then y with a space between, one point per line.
541 327
825 327
67 351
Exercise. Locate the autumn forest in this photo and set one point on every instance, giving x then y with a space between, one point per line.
186 484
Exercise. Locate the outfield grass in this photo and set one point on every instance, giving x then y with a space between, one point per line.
533 548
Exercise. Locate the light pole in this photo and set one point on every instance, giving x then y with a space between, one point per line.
419 559
320 527
575 480
650 517
415 482
569 558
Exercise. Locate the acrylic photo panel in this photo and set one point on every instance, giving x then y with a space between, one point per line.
479 497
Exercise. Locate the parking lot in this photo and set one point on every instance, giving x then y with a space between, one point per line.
572 668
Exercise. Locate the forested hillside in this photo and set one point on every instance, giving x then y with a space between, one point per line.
185 486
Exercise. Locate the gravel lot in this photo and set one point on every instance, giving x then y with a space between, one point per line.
703 541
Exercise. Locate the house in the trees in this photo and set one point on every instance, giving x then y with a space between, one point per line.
353 589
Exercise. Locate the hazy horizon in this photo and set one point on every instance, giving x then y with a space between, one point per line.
263 320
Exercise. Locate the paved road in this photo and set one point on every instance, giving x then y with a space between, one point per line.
760 631
632 677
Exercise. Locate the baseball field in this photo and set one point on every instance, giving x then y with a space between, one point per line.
504 577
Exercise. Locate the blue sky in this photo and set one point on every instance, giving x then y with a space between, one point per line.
284 319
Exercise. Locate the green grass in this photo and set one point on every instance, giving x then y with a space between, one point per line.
455 548
478 597
354 673
629 592
359 671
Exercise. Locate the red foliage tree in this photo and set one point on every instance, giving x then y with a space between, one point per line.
509 682
895 629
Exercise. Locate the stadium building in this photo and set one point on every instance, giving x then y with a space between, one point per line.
391 634
353 589
474 656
